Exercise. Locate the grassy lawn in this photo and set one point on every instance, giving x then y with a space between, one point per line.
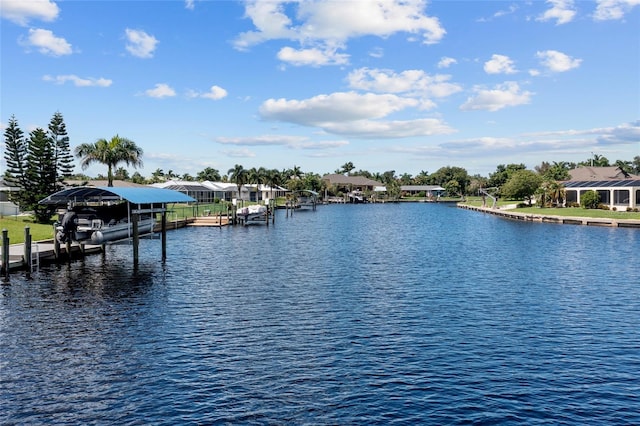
15 226
565 211
477 201
580 212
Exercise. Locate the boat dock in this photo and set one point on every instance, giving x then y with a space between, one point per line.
20 257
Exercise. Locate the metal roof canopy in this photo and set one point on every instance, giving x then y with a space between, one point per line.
106 194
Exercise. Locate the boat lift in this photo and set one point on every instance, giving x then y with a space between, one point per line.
484 193
144 200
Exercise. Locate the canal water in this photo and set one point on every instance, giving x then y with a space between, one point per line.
352 314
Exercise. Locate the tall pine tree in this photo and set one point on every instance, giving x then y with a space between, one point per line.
14 155
40 173
62 152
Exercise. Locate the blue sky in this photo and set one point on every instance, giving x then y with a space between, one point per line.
405 85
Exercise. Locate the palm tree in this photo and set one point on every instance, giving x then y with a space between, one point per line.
238 175
257 176
273 178
348 168
110 152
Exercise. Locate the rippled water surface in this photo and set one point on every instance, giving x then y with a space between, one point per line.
357 314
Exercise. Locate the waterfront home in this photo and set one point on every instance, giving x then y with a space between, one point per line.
351 183
617 188
207 191
7 207
429 191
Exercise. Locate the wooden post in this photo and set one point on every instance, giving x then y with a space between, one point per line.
27 249
163 233
56 244
69 250
5 253
136 238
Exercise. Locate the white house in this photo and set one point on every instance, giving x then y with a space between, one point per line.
616 188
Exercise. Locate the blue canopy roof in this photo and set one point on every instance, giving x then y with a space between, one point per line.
134 195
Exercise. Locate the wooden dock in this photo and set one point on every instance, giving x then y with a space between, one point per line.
216 221
45 251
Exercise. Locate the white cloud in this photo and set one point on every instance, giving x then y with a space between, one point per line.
341 106
161 90
505 95
313 57
22 11
263 140
189 4
415 82
239 153
446 62
294 142
551 143
215 93
389 129
624 134
317 24
376 52
140 44
78 81
562 11
557 61
499 64
353 114
47 43
613 9
504 12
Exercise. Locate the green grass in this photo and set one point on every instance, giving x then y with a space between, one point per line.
580 212
564 211
15 226
477 201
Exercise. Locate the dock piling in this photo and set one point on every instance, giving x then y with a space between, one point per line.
5 253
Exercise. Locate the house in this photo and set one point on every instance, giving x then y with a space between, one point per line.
616 187
208 192
7 208
351 183
429 190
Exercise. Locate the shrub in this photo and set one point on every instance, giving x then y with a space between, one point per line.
629 209
590 200
603 206
614 208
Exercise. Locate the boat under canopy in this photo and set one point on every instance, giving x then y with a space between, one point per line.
97 215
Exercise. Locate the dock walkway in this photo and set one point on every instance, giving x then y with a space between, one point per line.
44 251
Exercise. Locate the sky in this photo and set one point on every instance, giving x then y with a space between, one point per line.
409 85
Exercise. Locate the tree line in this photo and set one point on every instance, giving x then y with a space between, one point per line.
40 164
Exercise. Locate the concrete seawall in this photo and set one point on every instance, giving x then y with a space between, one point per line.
549 218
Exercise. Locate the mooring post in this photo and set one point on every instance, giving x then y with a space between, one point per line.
5 253
234 211
163 233
136 238
56 248
27 249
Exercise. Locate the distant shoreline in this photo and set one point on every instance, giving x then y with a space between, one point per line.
550 218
